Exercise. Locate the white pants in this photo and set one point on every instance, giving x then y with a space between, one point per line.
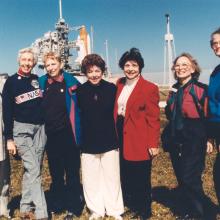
101 183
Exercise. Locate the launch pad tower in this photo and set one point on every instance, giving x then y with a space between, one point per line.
58 41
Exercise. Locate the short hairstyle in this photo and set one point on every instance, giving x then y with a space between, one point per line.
193 62
217 31
92 60
133 54
27 50
51 55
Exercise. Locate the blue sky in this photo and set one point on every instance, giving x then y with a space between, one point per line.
124 23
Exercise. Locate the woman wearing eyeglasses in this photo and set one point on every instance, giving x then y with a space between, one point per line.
186 110
214 108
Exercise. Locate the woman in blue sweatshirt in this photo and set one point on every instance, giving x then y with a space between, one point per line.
214 108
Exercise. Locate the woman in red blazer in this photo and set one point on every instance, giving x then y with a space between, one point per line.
138 125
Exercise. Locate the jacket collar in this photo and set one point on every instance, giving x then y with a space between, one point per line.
60 78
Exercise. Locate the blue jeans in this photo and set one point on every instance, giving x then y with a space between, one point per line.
30 142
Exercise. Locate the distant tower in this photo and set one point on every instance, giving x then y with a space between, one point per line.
92 39
169 54
60 7
107 58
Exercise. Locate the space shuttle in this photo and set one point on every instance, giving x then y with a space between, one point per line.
83 42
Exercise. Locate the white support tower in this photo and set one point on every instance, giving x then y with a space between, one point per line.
60 8
169 54
92 39
107 58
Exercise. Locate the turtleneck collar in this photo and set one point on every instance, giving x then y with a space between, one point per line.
20 73
95 85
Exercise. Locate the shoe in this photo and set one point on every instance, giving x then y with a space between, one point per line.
94 216
134 216
27 216
117 217
190 217
145 216
69 216
140 216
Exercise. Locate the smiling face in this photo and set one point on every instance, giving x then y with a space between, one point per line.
53 67
216 44
94 74
26 62
131 69
183 69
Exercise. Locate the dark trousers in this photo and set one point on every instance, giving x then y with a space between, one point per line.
64 165
188 159
136 185
135 179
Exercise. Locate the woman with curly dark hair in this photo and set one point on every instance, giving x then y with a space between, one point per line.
137 120
100 155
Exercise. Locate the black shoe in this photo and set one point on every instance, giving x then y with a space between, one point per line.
145 216
141 216
69 216
190 217
55 207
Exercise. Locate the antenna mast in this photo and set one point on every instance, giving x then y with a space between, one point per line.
107 58
169 54
92 42
60 7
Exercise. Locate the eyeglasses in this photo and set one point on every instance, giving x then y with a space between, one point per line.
183 65
215 43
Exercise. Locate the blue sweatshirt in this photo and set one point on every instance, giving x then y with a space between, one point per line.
214 95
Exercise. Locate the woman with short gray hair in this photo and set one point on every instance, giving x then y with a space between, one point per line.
24 132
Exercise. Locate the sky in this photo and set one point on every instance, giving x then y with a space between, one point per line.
124 23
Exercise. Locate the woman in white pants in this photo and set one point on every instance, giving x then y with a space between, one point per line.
100 154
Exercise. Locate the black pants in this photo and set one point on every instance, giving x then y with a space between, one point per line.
135 179
64 165
188 160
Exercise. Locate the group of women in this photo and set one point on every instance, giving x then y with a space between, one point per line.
116 128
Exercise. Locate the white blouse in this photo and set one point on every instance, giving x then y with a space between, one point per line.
125 94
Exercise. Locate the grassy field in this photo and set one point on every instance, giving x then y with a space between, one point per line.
166 200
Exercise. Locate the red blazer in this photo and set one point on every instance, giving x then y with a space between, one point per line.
142 119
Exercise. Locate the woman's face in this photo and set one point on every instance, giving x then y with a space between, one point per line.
26 62
183 69
131 69
53 67
94 74
216 44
